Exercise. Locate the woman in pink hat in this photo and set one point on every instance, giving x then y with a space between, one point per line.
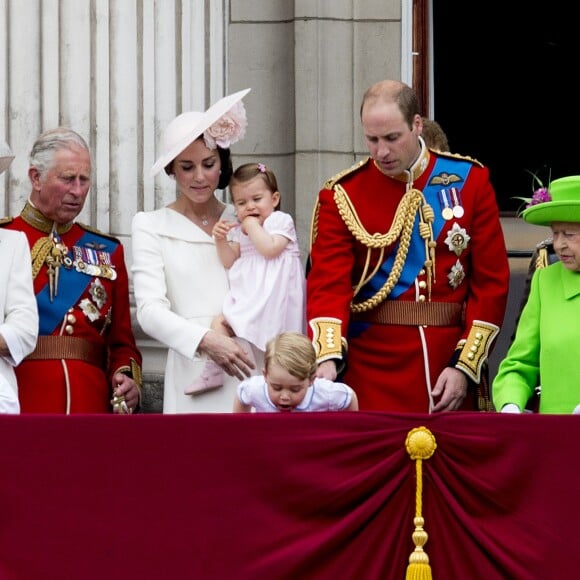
546 347
179 282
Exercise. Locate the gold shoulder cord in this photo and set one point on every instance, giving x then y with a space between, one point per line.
52 252
41 249
542 260
402 227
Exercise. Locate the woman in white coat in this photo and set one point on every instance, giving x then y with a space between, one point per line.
179 282
18 309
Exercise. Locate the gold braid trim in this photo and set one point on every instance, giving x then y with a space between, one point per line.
475 348
458 156
542 260
41 249
401 228
314 223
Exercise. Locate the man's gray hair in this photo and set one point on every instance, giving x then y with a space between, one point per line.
48 143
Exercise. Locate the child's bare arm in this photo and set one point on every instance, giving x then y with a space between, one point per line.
353 403
227 252
269 245
240 407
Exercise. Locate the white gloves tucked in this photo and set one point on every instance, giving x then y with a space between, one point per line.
511 408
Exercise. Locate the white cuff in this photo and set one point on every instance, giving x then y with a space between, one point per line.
510 408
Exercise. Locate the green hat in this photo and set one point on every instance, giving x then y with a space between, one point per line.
563 207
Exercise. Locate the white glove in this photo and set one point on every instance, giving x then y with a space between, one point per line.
576 410
510 408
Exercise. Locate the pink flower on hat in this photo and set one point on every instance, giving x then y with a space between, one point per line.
228 129
541 195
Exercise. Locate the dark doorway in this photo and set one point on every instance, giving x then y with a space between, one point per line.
503 90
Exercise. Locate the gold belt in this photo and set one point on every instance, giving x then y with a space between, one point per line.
406 313
68 347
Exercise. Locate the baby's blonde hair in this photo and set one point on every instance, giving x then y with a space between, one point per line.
294 352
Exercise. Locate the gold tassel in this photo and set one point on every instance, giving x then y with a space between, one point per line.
421 445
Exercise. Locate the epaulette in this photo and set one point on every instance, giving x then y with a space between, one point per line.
6 220
98 232
547 243
458 156
330 183
545 254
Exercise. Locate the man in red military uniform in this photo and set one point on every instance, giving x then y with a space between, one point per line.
86 359
408 274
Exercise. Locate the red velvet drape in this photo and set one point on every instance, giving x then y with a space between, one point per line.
299 496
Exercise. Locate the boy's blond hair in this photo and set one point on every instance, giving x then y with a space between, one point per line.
292 351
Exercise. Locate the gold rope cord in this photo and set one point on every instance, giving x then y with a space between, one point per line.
41 249
401 228
420 445
426 232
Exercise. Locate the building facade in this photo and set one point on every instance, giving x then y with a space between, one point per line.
118 71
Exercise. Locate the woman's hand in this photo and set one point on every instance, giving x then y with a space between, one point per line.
228 354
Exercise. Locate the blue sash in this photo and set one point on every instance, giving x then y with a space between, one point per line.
416 257
71 286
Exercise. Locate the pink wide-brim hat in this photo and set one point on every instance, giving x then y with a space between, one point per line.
563 207
187 127
6 156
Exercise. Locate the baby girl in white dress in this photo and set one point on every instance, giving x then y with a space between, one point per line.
267 281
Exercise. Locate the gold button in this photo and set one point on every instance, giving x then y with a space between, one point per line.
422 284
68 329
71 318
422 298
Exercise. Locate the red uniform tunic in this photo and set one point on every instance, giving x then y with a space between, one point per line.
450 284
90 306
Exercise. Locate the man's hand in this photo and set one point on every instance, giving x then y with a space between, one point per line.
450 389
326 370
125 394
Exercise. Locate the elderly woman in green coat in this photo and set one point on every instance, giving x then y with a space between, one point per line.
546 347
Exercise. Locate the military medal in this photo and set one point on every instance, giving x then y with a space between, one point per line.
98 293
457 239
456 275
94 262
446 212
458 210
